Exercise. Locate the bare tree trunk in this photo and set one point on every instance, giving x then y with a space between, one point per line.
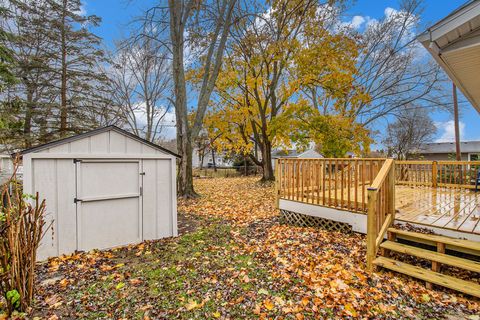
245 165
202 157
63 88
213 159
267 162
457 129
179 14
184 144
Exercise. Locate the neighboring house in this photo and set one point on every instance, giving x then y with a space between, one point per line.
6 164
294 154
310 153
377 154
470 151
221 159
6 167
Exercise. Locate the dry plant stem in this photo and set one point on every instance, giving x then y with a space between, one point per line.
20 233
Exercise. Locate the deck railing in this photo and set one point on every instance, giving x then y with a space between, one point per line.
454 174
381 209
336 183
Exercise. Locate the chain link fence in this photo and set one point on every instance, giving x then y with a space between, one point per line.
227 172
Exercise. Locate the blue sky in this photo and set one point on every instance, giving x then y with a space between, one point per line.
117 13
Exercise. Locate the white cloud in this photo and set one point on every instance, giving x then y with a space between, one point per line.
390 12
166 120
370 22
357 21
447 130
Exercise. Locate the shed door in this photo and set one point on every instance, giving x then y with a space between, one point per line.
109 203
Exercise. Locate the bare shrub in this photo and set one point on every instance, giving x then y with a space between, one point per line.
21 229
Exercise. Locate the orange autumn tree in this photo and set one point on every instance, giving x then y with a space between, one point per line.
265 87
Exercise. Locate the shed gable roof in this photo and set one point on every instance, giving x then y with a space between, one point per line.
93 133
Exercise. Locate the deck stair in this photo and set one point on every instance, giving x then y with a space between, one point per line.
438 258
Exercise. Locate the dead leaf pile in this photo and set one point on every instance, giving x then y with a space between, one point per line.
242 200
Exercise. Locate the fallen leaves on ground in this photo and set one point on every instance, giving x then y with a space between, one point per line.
240 200
236 260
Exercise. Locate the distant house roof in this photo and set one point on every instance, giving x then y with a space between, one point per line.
454 42
449 147
295 154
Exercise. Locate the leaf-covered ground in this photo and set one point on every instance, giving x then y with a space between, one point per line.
235 260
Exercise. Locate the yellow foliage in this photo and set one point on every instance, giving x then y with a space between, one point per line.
265 77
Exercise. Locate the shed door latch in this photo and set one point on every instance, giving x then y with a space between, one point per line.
76 200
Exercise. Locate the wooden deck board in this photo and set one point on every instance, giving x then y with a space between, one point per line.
447 208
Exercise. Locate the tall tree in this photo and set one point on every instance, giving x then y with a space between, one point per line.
61 86
141 84
275 58
412 128
202 26
391 67
8 124
6 55
79 58
31 100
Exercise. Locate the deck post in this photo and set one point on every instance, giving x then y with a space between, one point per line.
391 187
434 174
371 227
277 184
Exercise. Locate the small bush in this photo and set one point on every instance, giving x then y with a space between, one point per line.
21 229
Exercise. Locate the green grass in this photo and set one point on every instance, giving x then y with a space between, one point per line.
199 268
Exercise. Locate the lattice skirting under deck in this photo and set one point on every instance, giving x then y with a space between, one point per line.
303 220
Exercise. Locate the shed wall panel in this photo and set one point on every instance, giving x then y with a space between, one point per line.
99 143
45 183
54 180
150 219
80 146
117 142
59 149
149 150
66 209
164 198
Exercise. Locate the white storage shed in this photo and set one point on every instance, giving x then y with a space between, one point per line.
103 189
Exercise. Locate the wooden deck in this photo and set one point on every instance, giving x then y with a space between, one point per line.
371 195
446 208
454 209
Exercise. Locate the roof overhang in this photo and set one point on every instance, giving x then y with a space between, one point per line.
454 42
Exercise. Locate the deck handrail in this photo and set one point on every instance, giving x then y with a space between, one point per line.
339 183
449 174
381 209
382 175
